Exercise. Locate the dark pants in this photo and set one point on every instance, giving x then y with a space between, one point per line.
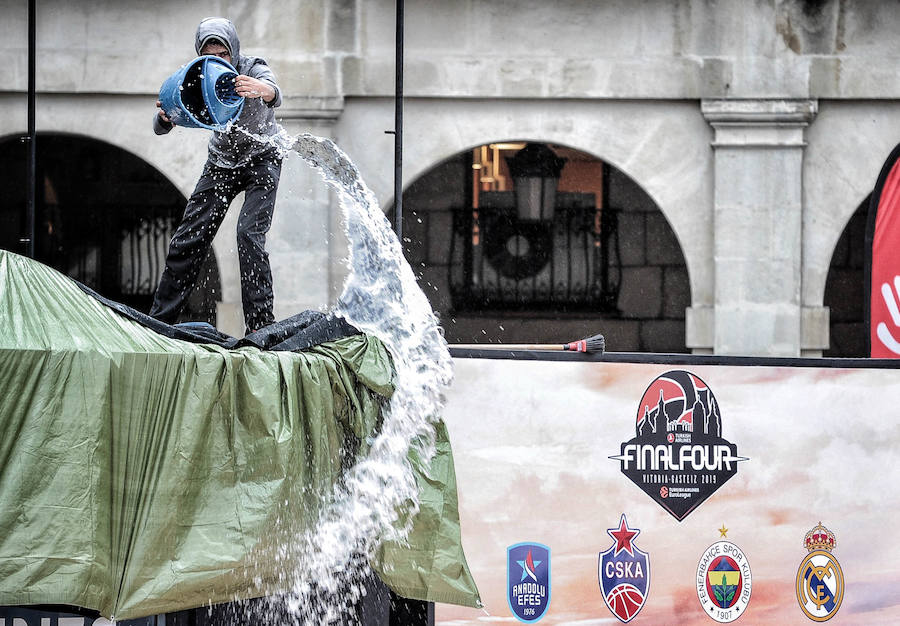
205 210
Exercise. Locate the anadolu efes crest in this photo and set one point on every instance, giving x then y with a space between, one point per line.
528 580
679 457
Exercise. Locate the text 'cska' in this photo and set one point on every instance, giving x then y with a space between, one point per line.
624 570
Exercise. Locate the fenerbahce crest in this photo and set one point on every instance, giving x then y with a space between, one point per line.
679 457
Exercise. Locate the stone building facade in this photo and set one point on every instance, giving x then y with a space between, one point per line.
755 129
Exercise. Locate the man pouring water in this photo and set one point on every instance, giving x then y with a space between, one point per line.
240 159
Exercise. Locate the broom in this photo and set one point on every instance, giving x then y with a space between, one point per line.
590 345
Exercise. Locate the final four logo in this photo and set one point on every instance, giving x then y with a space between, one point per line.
528 580
820 581
624 573
678 456
724 581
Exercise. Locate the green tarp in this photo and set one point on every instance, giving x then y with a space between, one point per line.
142 475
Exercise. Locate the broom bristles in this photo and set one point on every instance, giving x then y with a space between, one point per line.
591 344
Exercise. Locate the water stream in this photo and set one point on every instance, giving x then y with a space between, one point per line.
380 297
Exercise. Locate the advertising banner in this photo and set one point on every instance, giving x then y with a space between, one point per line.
763 494
883 241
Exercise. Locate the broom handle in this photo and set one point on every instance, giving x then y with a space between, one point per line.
508 346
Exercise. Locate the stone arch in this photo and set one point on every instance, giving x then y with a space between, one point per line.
125 123
665 149
645 291
103 216
847 145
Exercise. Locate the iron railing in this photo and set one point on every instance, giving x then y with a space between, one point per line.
567 263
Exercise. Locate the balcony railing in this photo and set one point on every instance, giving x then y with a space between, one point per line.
567 263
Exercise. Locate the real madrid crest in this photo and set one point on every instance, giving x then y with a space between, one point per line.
724 581
820 581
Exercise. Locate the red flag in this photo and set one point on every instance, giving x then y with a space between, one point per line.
884 292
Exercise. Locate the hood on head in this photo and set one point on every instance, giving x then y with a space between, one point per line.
221 29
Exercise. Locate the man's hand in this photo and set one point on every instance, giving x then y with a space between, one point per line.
162 114
250 87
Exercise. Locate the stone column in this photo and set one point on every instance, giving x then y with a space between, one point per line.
758 204
300 243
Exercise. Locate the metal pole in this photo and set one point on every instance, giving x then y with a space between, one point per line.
398 126
28 239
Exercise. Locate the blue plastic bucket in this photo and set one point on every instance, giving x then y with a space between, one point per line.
201 94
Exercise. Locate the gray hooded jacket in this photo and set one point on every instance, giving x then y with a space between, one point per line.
234 148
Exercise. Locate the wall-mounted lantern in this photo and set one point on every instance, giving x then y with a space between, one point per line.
535 170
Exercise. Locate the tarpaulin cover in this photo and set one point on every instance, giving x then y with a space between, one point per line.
141 474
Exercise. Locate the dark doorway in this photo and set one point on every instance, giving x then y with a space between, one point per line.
103 216
845 290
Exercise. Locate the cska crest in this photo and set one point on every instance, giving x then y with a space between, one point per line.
624 573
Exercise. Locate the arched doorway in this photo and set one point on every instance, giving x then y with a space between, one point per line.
845 289
103 216
520 242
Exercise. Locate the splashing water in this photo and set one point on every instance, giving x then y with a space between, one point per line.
380 297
